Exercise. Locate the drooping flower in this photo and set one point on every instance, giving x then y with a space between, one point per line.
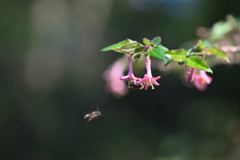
201 80
114 84
148 79
130 75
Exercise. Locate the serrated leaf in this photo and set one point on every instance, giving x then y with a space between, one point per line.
147 41
218 53
131 45
158 53
197 62
156 41
177 55
118 45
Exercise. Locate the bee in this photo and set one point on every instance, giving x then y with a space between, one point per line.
135 86
92 115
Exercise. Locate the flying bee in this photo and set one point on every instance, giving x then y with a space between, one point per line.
135 86
92 115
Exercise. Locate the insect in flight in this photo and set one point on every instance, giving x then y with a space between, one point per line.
135 86
92 115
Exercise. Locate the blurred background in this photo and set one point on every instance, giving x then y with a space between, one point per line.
51 76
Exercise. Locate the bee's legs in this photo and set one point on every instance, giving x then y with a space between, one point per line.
88 121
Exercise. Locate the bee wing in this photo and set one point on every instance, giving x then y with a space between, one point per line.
87 115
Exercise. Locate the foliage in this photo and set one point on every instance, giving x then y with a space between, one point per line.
193 57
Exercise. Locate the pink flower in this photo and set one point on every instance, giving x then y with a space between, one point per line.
114 84
130 75
148 79
202 80
191 75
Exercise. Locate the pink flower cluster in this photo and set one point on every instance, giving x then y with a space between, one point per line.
148 79
115 85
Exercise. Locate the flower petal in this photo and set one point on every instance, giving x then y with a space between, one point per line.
124 78
155 82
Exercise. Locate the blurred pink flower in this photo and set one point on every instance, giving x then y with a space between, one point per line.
201 80
148 79
114 84
191 75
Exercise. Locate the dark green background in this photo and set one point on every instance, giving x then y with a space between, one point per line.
51 75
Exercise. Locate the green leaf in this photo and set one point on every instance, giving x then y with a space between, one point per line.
163 48
206 44
197 62
118 45
168 62
192 52
139 50
201 44
177 55
158 53
127 51
219 29
218 53
197 54
147 41
136 56
189 52
131 45
156 41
